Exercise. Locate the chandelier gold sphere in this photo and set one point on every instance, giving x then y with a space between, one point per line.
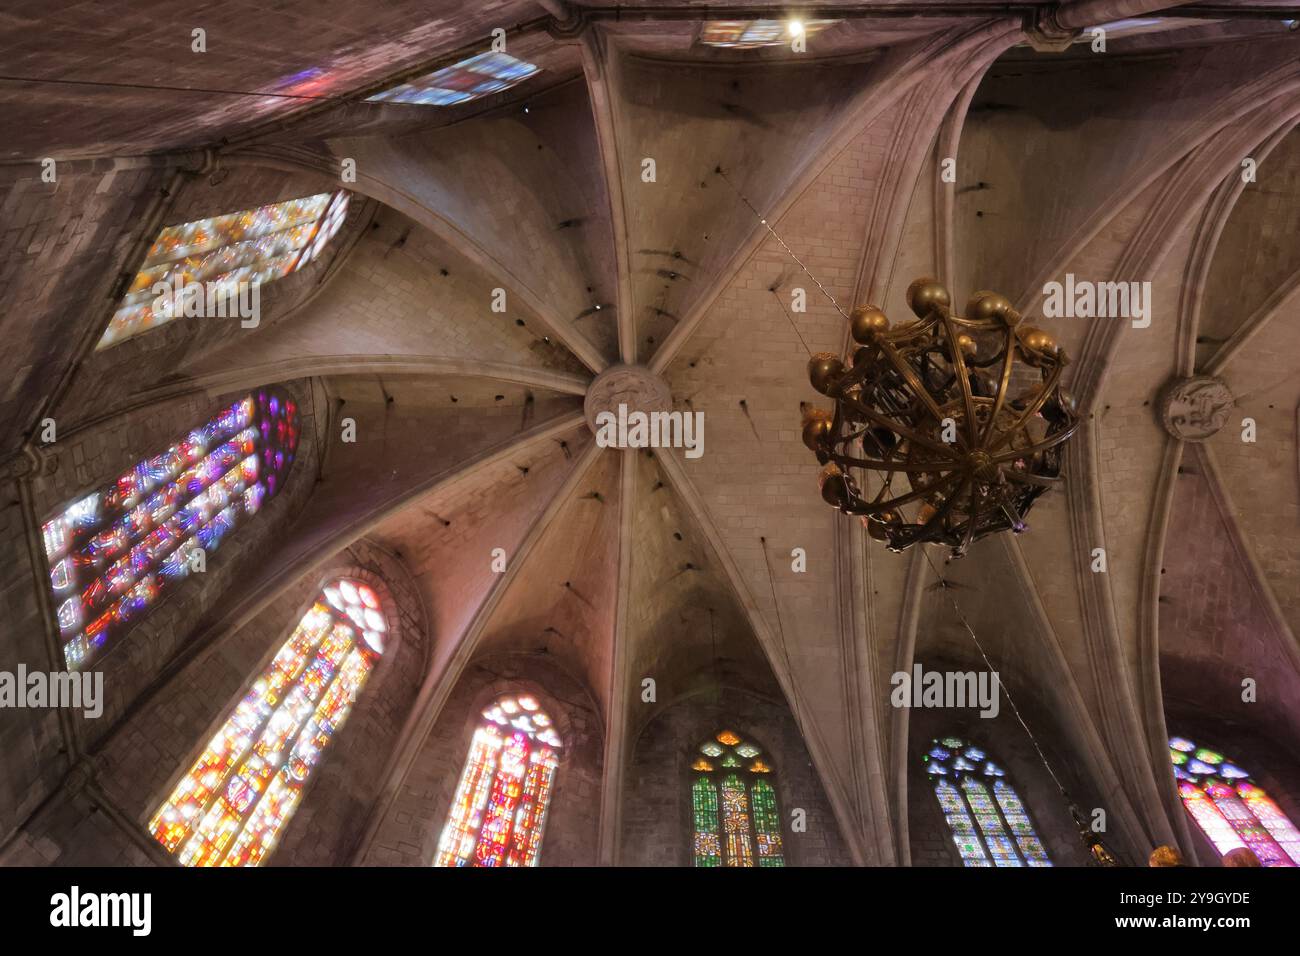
945 428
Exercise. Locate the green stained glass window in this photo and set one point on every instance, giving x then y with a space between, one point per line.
735 817
767 823
704 802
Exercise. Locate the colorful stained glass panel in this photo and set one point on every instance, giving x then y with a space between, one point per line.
1013 811
115 553
464 81
735 822
749 820
767 823
990 823
498 815
1231 810
209 266
749 34
960 825
987 820
232 805
704 811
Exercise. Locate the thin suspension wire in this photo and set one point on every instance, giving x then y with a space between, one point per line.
780 630
943 584
790 252
793 324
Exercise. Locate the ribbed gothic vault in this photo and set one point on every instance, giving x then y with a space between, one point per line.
620 565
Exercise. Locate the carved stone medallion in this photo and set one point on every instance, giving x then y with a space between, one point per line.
1194 408
635 386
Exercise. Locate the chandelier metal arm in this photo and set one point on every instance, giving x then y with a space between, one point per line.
1024 478
969 536
935 528
1004 382
963 381
919 389
911 496
1033 449
1045 392
1011 511
942 513
902 430
879 465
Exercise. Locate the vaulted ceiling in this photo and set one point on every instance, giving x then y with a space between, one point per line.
1124 164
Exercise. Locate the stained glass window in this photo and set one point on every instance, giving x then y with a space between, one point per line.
1230 808
988 822
464 81
498 815
232 805
704 805
748 34
735 818
114 553
209 267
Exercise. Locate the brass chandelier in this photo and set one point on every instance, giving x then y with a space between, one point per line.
946 428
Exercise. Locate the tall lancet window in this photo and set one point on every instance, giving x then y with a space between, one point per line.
988 821
1230 808
232 805
735 820
498 815
209 267
114 553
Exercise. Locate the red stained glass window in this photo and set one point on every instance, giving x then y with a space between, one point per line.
498 816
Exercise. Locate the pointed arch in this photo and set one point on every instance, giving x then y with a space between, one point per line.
498 816
1231 809
231 806
736 821
986 817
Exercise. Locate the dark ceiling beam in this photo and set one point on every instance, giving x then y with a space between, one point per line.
1087 13
857 11
1073 15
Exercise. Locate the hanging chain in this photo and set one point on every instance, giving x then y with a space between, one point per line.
790 252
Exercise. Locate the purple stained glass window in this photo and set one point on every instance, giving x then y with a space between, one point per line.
115 552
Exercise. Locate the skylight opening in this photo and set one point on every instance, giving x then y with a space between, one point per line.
751 34
461 82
